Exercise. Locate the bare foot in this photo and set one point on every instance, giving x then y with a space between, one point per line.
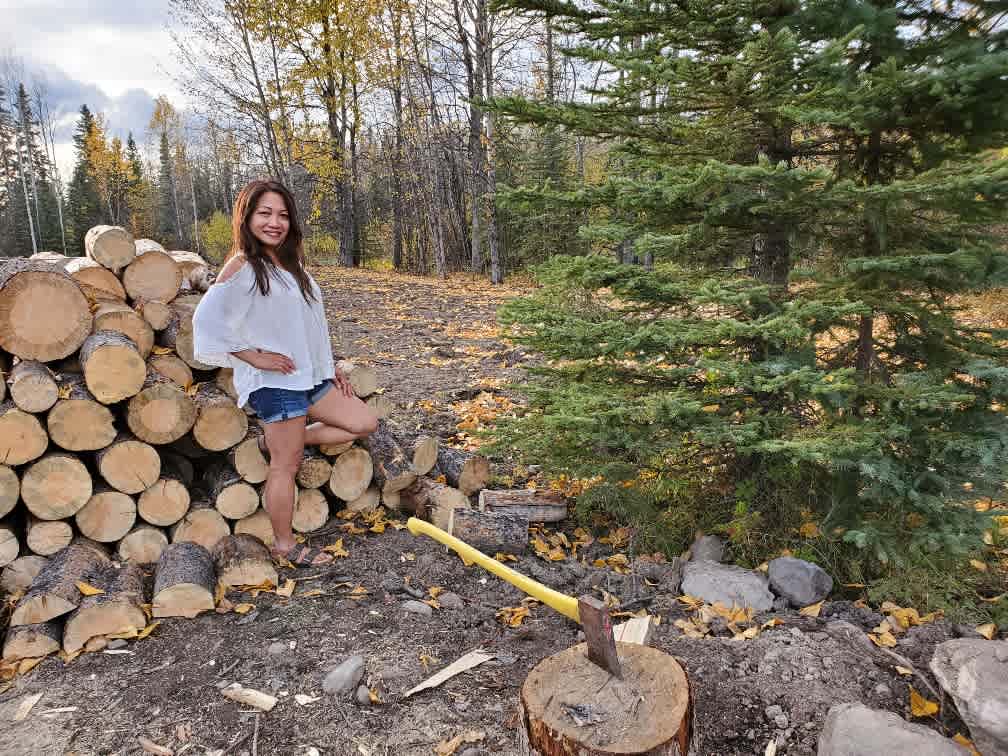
301 555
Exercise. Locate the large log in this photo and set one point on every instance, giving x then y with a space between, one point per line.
10 546
33 386
78 421
351 474
536 506
231 495
46 537
143 545
107 516
110 246
243 559
153 275
165 502
315 469
10 490
311 511
19 574
161 412
97 282
195 271
257 524
433 500
246 457
43 313
646 712
119 317
129 464
392 471
54 591
490 532
184 581
32 641
363 379
467 472
172 367
22 437
202 524
113 367
56 486
119 609
148 245
220 423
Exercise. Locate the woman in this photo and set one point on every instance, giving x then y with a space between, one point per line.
264 318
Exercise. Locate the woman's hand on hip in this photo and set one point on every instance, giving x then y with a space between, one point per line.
342 383
270 361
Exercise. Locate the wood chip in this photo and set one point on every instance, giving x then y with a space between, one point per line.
636 630
26 706
250 697
467 662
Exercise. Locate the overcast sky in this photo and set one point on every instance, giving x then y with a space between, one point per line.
116 57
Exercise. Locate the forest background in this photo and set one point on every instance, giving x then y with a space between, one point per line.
767 237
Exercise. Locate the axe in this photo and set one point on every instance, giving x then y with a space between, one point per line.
587 611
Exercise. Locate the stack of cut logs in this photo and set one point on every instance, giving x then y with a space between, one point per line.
116 442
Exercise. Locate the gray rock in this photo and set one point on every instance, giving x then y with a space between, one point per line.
451 600
392 583
417 607
345 677
708 548
975 673
363 696
728 584
276 647
852 729
801 583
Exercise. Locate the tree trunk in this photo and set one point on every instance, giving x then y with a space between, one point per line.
33 386
128 464
490 532
351 474
143 545
119 609
536 506
78 421
164 503
243 560
56 486
22 437
111 247
184 581
54 591
114 369
161 412
220 423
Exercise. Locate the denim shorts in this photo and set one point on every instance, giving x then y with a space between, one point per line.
275 404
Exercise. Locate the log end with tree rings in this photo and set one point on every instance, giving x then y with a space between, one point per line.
164 503
311 511
424 452
33 386
184 581
56 486
46 537
315 470
247 459
10 546
172 367
243 559
129 464
569 705
220 423
10 490
120 317
22 437
113 367
363 378
78 421
143 545
202 524
367 501
152 276
17 576
107 516
111 247
97 282
157 314
161 412
257 524
334 450
352 472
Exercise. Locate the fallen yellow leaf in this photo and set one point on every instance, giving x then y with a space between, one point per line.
920 706
287 589
27 665
128 633
336 549
812 610
905 671
966 743
513 616
978 565
448 747
148 630
987 631
243 608
809 530
87 589
373 695
505 557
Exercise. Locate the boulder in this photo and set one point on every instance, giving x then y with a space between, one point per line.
728 584
801 583
708 548
852 729
974 672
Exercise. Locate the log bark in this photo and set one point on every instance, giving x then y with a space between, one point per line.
363 379
172 367
243 559
311 511
184 581
257 524
4 374
54 591
157 314
647 712
111 247
178 335
10 490
43 313
56 486
22 437
220 423
315 469
246 458
32 641
78 421
113 366
161 412
232 496
19 574
129 464
392 471
107 516
195 270
46 537
351 474
490 532
165 502
202 524
33 386
152 275
537 506
467 472
10 545
144 544
121 318
119 609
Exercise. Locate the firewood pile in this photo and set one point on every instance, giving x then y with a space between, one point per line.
119 451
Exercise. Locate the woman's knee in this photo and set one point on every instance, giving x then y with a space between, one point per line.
366 424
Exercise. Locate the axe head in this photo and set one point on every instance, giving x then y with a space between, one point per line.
596 623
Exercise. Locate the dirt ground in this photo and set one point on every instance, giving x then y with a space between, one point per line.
167 687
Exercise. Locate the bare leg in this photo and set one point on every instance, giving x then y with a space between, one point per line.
320 433
340 419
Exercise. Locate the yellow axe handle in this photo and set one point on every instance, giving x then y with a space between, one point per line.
561 602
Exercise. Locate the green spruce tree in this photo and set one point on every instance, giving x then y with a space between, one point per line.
84 206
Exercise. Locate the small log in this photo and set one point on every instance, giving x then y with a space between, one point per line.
54 591
46 537
43 313
392 501
33 386
10 490
315 469
351 474
220 423
32 641
423 453
257 524
113 367
129 464
381 405
467 472
161 412
143 545
178 335
157 314
363 379
647 712
78 421
107 516
311 511
231 495
334 450
148 245
392 471
195 270
202 524
490 532
433 500
96 281
243 559
19 574
537 506
56 486
153 275
637 630
172 367
367 501
22 437
111 247
224 378
165 502
4 373
121 318
118 610
184 581
246 458
10 546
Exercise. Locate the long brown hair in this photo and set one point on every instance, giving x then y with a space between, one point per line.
290 253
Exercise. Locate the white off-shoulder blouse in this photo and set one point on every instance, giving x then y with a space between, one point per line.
233 316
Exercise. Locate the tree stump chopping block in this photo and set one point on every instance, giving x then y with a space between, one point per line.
243 559
569 705
184 581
